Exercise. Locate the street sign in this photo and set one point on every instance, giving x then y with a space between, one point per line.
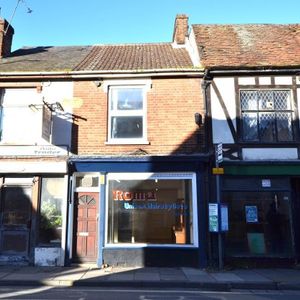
219 153
218 171
213 213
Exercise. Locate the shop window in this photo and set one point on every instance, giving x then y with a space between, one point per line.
259 224
151 209
50 226
127 114
267 116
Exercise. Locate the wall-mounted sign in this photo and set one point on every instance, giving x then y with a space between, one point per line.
38 150
219 152
213 213
224 217
251 214
266 183
218 171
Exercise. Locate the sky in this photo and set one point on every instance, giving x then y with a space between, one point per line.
94 22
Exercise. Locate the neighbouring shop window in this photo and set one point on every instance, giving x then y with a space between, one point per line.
153 210
50 228
260 224
127 116
267 115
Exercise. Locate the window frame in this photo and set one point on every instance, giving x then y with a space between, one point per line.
291 111
153 176
127 113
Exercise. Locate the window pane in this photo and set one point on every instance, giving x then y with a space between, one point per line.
51 210
267 127
16 205
265 100
127 99
150 211
87 181
127 127
282 100
284 127
266 232
249 100
250 130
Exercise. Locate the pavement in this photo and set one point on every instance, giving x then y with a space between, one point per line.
90 276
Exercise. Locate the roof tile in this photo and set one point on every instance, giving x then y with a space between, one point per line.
250 45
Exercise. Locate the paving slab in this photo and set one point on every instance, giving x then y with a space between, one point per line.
201 278
193 272
121 277
226 277
251 276
152 276
280 275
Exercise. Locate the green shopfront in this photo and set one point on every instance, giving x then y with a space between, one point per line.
264 212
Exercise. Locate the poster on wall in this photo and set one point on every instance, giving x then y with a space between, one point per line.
224 217
213 217
251 214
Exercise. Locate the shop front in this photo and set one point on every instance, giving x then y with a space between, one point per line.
142 211
263 205
33 213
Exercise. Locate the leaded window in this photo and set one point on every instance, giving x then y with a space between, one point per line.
266 116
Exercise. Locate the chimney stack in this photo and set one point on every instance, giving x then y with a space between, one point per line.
180 29
6 36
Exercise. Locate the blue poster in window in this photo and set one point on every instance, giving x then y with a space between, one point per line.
251 214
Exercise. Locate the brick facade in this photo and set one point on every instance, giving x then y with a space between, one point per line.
171 105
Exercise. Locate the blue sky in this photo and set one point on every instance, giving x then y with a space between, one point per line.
88 22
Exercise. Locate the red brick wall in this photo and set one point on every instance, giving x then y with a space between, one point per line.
171 105
5 39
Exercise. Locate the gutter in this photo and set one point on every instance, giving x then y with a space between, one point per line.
279 71
102 74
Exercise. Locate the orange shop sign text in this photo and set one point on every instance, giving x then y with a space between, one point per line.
119 195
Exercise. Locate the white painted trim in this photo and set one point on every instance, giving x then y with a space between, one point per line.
191 47
145 176
145 85
145 82
64 221
24 167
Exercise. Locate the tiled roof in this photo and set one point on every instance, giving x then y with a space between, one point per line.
259 45
44 59
136 57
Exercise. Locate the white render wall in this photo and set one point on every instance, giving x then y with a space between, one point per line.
221 131
22 120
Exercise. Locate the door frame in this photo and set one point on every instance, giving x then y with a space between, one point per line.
76 188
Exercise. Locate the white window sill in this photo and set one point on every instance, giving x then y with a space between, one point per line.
127 142
143 245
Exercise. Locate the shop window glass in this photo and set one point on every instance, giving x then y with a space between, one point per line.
259 224
152 211
51 210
